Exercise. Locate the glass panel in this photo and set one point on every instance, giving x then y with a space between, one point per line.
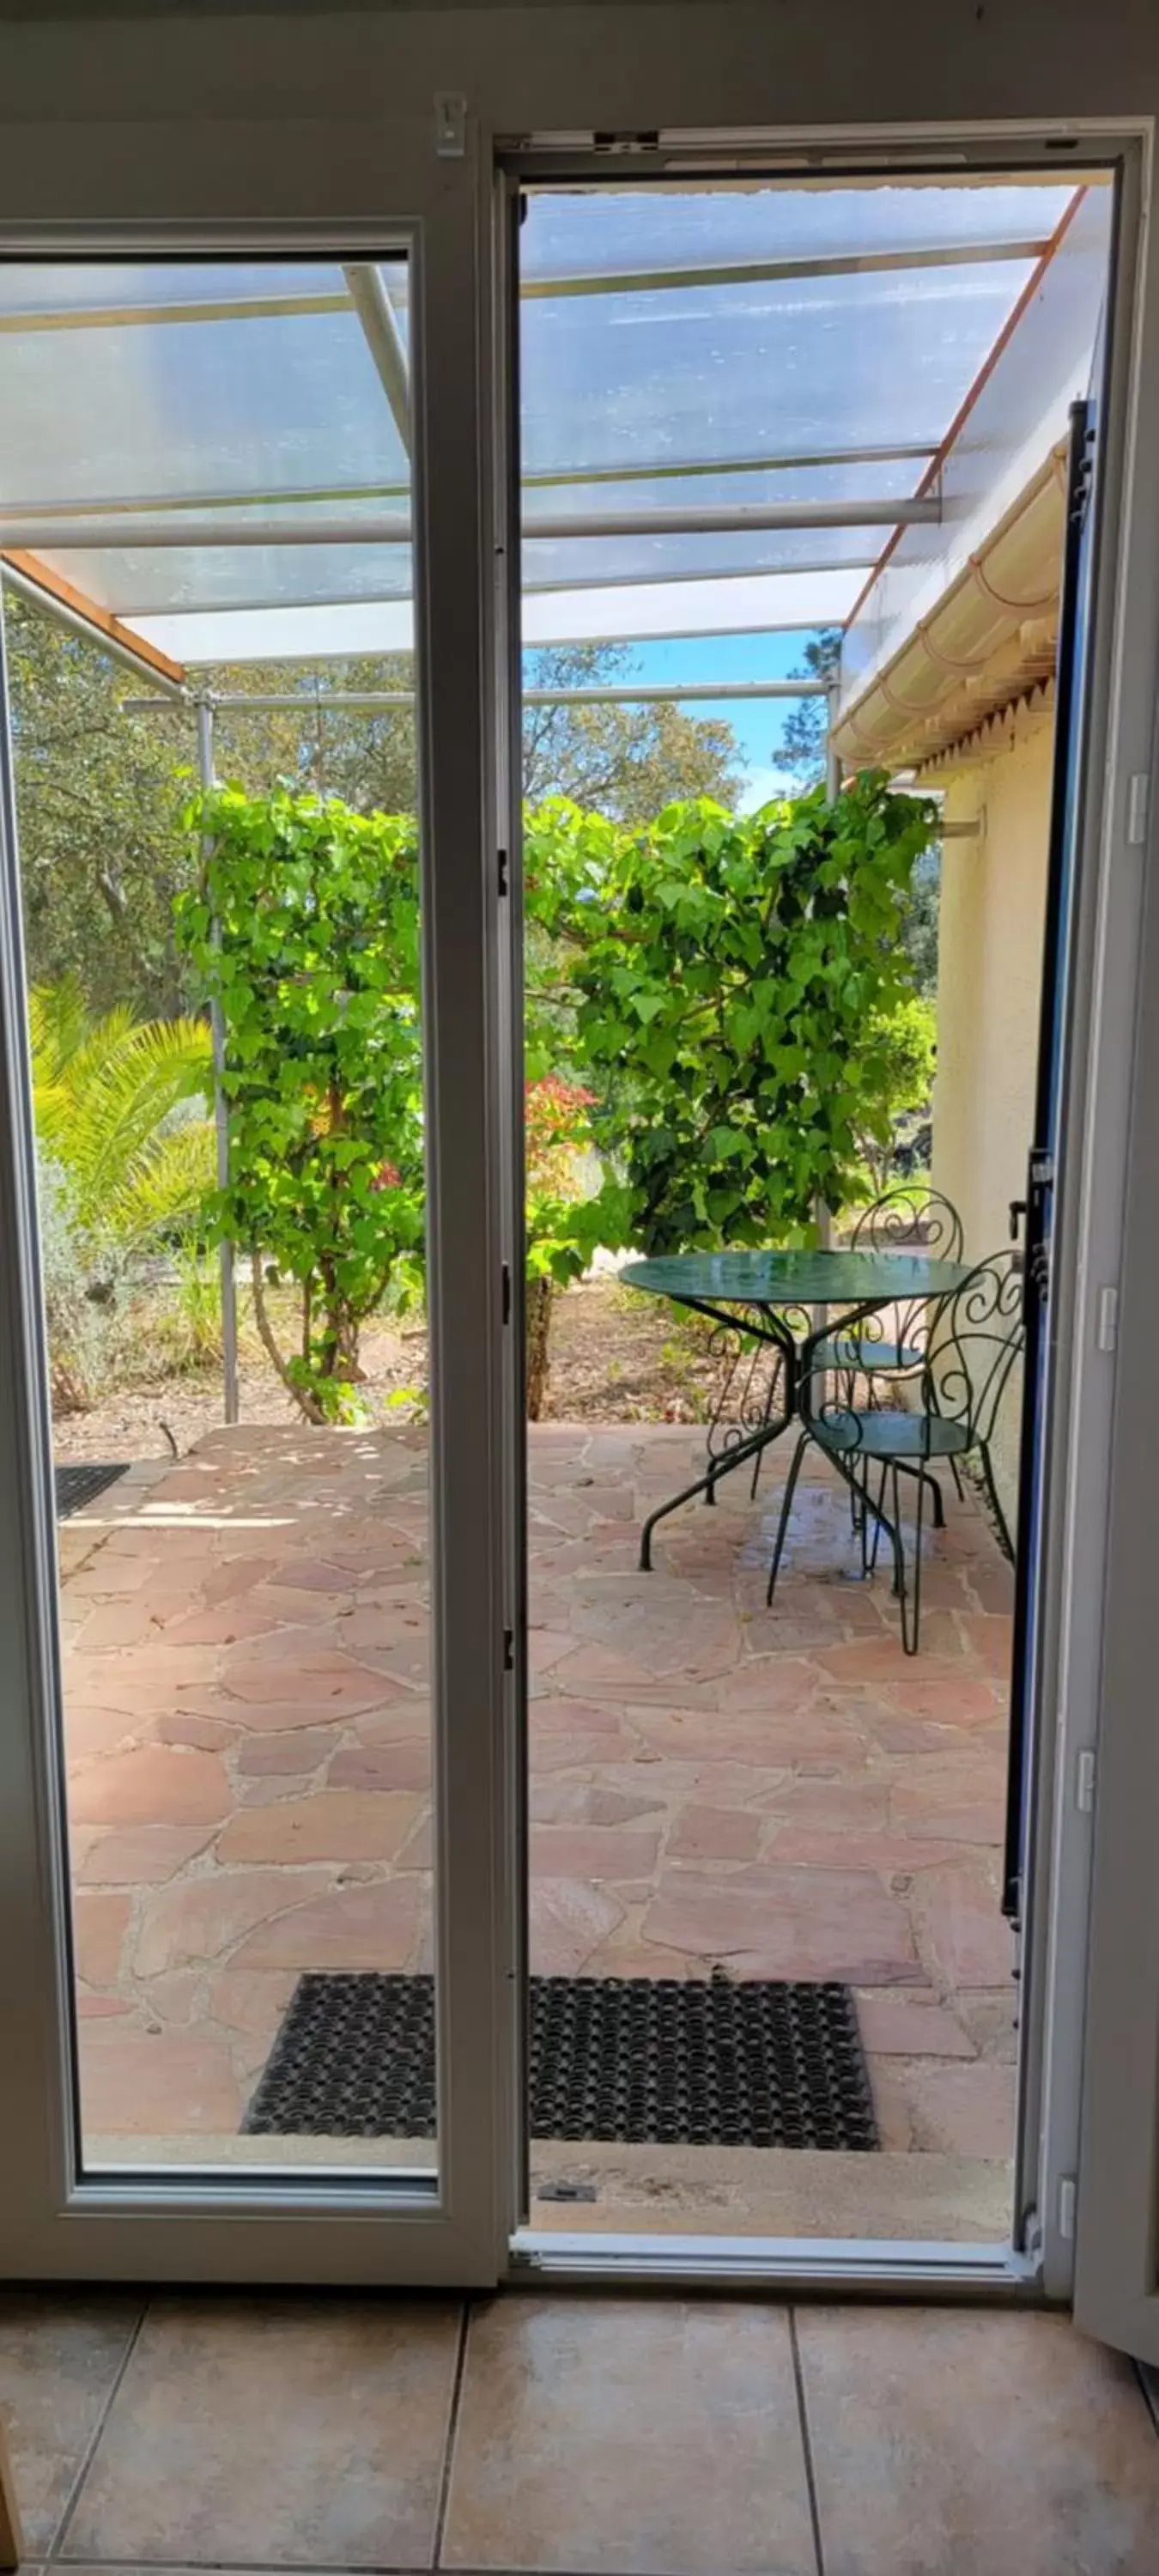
726 1799
243 1606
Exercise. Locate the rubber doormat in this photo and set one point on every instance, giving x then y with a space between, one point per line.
76 1486
701 2062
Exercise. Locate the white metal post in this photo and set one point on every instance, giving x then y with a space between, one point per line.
220 1111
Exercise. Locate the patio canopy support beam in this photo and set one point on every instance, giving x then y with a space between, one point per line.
271 304
771 272
648 693
551 479
230 1404
383 338
69 535
46 589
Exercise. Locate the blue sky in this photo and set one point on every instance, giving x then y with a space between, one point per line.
756 722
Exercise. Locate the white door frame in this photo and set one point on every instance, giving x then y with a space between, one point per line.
319 172
358 190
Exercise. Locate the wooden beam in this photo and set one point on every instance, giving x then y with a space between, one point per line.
54 586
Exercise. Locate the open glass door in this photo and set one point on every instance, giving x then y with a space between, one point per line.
252 1684
1034 1215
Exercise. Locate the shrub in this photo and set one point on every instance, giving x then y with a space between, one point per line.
304 926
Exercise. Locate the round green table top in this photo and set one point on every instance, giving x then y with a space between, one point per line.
795 1278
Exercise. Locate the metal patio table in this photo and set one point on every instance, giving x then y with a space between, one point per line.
791 1301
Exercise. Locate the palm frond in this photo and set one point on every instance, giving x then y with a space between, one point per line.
105 1095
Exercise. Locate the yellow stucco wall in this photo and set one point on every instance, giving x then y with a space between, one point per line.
990 926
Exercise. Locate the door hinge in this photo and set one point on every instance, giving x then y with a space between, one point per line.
1084 1783
509 1650
1138 799
1067 2194
505 1291
501 870
1107 1327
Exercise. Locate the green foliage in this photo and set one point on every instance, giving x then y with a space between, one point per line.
98 796
905 1046
726 987
120 1112
317 974
920 928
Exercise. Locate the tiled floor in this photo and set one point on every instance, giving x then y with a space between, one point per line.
782 1793
573 2437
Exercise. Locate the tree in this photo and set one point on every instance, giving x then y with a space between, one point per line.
621 760
801 746
366 756
304 927
726 987
98 798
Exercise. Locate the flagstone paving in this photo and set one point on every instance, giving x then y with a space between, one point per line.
713 1784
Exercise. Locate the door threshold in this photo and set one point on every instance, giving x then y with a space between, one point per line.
902 2269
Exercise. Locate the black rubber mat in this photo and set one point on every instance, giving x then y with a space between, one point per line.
701 2062
76 1486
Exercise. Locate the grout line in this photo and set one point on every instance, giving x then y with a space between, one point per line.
806 2444
452 2434
55 2546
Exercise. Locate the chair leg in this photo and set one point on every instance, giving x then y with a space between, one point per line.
956 1473
870 1567
910 1603
11 2536
783 1523
766 1418
1005 1541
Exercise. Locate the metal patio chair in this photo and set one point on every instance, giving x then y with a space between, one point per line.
905 1219
975 1336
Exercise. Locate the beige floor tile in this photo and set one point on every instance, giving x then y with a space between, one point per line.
58 2366
293 2431
648 2439
980 2444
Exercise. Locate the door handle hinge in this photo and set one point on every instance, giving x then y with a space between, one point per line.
509 1650
501 869
1084 1782
505 1291
1067 2196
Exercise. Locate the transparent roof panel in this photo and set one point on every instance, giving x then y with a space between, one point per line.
164 580
254 403
578 233
745 371
817 354
564 563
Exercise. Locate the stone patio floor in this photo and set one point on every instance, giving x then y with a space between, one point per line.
780 1793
